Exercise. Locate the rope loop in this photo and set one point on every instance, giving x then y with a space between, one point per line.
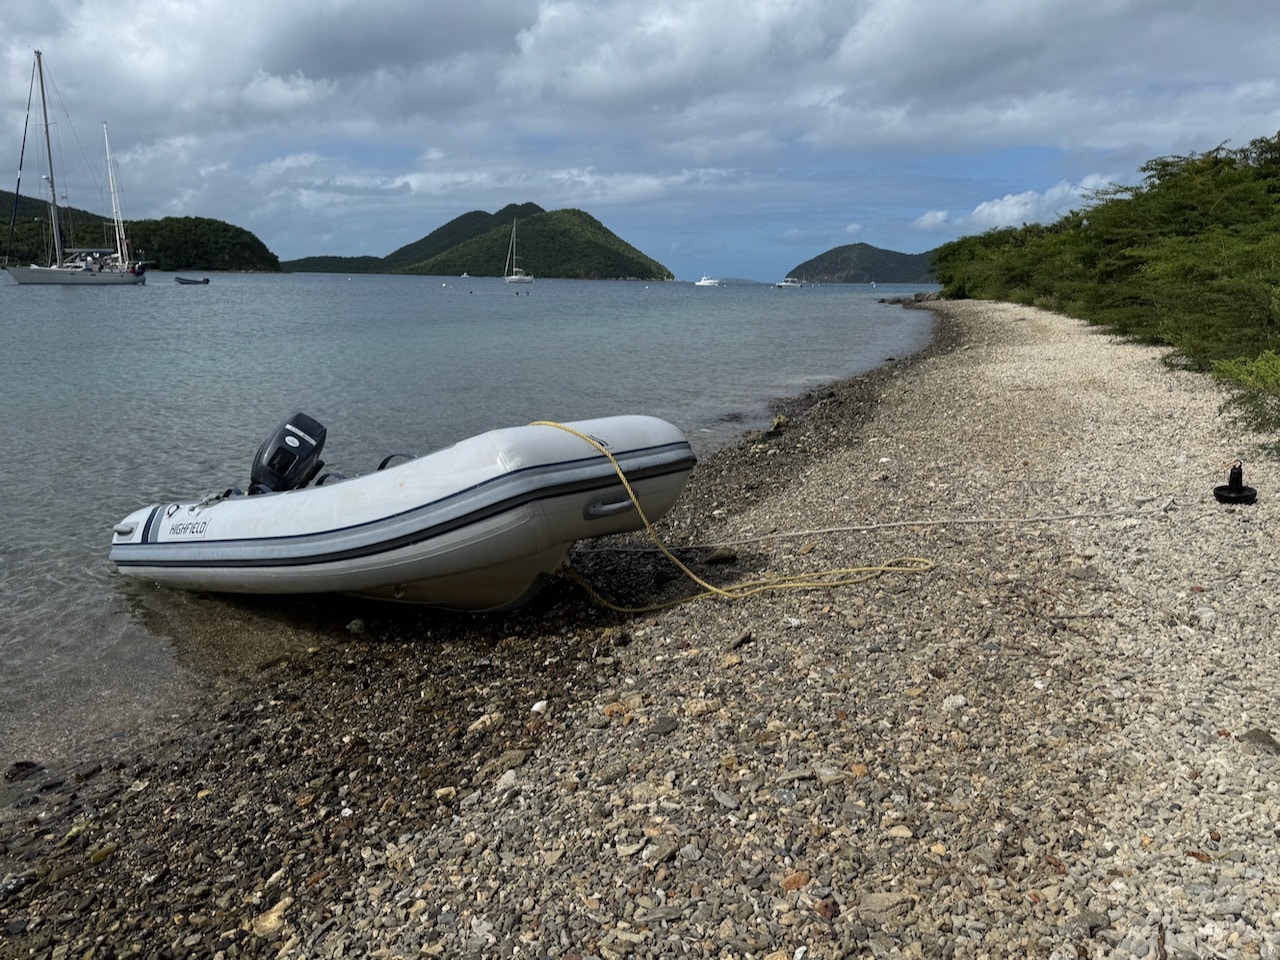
825 579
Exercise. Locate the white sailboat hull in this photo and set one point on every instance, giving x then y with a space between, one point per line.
74 276
478 526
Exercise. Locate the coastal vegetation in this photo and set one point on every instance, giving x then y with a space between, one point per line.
568 244
863 263
171 243
1188 258
198 243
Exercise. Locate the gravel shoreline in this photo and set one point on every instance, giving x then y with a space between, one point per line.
1050 734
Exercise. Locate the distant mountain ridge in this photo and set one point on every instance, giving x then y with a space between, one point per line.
561 244
557 244
863 263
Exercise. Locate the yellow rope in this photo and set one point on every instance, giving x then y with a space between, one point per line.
827 579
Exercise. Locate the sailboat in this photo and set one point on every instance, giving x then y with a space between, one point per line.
83 266
511 273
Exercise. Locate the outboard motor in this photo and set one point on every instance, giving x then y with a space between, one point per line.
290 457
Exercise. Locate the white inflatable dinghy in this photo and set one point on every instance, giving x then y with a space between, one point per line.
478 526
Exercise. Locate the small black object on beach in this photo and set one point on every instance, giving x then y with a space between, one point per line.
1234 490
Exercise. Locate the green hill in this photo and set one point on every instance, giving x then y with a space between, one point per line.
563 244
458 231
29 209
863 263
198 243
171 243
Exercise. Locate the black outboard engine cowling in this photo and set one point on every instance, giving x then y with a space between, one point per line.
290 457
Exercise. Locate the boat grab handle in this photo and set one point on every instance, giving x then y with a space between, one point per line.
599 509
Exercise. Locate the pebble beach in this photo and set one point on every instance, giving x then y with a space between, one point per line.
1006 687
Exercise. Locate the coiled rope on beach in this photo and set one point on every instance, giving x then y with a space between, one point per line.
816 580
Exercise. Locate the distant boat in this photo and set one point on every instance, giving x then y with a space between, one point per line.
789 282
191 280
82 266
706 282
511 273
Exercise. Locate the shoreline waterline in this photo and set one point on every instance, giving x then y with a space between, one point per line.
183 386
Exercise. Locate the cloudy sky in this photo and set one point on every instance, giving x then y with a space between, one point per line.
730 137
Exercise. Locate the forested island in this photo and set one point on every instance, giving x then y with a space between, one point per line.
564 244
198 243
1188 258
171 243
863 263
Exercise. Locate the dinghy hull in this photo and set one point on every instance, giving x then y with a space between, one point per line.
478 526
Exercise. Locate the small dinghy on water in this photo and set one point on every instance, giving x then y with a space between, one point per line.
477 526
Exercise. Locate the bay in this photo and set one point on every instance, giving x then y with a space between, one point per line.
115 398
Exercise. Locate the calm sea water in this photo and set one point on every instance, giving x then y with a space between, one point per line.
115 398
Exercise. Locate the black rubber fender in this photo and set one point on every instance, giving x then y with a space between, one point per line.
1229 494
1234 490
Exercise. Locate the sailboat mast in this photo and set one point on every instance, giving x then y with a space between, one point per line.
48 149
122 245
511 251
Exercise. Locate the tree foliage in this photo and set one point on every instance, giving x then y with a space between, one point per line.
172 243
197 243
1188 258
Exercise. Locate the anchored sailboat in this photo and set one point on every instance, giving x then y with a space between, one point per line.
85 266
511 273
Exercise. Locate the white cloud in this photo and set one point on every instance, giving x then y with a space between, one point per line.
276 94
1030 206
293 161
933 220
1009 210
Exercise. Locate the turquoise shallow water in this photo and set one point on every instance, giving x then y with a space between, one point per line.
115 398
